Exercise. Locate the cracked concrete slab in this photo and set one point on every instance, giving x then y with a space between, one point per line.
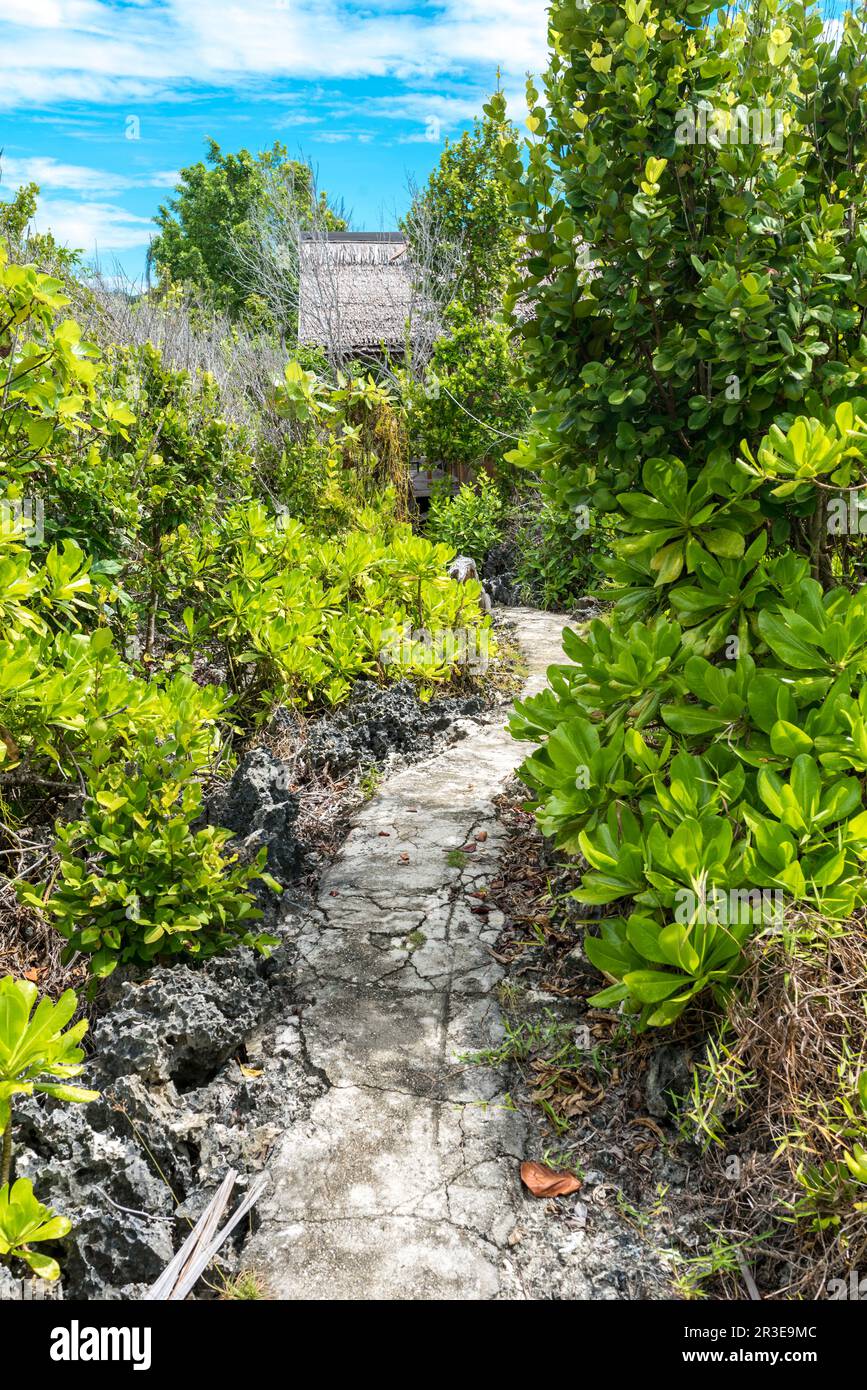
403 1183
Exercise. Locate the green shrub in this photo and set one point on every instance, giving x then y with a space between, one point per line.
473 404
556 555
471 521
138 881
298 620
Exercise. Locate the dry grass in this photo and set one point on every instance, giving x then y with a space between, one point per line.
30 946
781 1088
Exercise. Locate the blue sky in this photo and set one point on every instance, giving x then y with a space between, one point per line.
367 92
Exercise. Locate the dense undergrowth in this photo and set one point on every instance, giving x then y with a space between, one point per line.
698 352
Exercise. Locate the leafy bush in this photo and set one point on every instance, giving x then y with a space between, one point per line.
298 620
555 555
24 1221
137 881
69 703
469 522
733 647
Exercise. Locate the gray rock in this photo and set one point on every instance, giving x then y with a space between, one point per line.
378 722
500 573
261 809
182 1023
199 1071
462 568
667 1075
80 1165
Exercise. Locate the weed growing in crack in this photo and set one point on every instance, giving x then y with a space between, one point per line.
641 1220
370 783
246 1286
524 1040
721 1256
562 1161
509 995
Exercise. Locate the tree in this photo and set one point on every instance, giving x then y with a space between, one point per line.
473 405
727 276
208 229
466 210
15 215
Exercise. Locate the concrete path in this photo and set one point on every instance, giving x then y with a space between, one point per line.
404 1182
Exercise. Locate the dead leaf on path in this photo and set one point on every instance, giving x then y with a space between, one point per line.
404 858
481 836
385 834
469 849
544 1182
31 975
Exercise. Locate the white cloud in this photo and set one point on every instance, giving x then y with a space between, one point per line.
50 173
89 50
94 228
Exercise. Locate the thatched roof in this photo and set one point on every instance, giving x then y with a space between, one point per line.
355 291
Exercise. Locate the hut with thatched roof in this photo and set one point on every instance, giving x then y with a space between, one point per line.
355 293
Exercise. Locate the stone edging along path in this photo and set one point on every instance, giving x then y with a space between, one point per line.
403 1183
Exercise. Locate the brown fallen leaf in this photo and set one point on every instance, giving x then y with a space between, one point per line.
544 1182
404 858
31 975
481 836
385 834
469 849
